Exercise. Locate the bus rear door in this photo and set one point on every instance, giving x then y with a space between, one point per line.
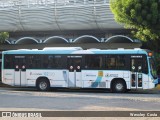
136 72
20 71
74 67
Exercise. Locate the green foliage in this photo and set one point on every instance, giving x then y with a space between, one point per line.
143 16
3 37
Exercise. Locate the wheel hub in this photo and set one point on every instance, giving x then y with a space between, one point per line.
119 86
43 85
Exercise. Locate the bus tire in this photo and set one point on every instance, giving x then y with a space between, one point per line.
118 86
43 84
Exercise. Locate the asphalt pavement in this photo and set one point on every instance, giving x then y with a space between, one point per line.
155 90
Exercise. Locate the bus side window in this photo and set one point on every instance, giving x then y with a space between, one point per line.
110 62
115 62
44 61
58 62
37 61
34 61
93 61
50 62
30 61
120 62
8 62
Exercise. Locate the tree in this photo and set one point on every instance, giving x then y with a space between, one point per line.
143 16
3 37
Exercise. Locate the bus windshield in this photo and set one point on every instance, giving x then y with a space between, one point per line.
153 68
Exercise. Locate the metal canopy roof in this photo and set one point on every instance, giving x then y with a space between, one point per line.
56 15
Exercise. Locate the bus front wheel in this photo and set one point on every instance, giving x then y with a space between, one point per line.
43 84
118 86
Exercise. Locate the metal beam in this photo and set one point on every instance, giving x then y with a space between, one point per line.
84 46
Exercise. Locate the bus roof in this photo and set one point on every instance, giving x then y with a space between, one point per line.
76 51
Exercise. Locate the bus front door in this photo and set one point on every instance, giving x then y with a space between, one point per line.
136 73
20 71
74 67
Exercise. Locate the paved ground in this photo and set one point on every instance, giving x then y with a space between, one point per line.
29 99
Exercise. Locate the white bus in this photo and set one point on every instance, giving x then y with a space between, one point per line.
118 70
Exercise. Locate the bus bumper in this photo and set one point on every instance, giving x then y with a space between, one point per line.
156 82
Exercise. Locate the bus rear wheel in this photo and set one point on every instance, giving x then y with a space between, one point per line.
118 86
43 84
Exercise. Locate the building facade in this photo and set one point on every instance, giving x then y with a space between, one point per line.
40 23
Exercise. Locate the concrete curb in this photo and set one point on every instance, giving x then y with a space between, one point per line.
4 85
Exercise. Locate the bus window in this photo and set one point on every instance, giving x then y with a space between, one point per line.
34 61
8 64
93 61
115 62
111 62
37 61
44 61
58 61
120 62
52 61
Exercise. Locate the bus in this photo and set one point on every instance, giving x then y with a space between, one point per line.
119 70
